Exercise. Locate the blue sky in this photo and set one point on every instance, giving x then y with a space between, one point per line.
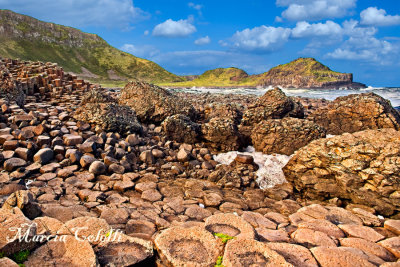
189 37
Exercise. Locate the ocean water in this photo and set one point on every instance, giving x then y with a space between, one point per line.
390 93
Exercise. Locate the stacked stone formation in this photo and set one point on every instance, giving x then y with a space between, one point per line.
63 173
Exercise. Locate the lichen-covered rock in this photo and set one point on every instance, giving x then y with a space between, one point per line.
221 110
181 129
107 115
221 134
285 136
153 104
355 113
361 168
274 104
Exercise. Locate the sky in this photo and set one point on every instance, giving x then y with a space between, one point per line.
189 37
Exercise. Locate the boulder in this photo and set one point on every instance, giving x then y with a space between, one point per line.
194 246
222 110
181 129
274 104
358 168
102 111
43 156
285 136
153 104
221 134
342 256
355 113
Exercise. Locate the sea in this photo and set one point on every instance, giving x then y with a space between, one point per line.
390 93
270 165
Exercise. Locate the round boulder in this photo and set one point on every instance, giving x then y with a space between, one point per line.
153 104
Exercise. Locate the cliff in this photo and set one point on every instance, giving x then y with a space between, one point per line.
306 73
85 54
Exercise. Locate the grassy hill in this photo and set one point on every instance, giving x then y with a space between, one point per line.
302 72
219 78
85 54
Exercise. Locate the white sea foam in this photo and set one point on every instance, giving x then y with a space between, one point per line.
270 166
393 94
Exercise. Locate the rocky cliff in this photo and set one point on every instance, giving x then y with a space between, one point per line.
85 54
306 73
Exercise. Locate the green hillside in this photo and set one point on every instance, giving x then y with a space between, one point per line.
85 54
300 73
219 77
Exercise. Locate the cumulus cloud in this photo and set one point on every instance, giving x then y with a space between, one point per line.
195 62
171 28
378 17
304 29
368 48
260 39
144 51
109 13
298 10
203 41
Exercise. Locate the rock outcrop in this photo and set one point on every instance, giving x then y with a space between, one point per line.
154 104
181 129
221 134
274 104
99 109
307 73
355 113
359 168
285 136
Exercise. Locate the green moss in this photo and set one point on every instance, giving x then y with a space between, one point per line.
21 256
224 238
2 255
219 262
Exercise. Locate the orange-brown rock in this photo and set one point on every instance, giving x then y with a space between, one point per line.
357 167
284 136
355 113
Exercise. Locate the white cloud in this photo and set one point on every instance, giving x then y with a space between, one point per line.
304 29
196 62
146 32
196 7
144 51
260 39
76 13
377 17
367 48
171 28
298 10
203 41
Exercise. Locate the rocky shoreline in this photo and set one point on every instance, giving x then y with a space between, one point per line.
76 156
